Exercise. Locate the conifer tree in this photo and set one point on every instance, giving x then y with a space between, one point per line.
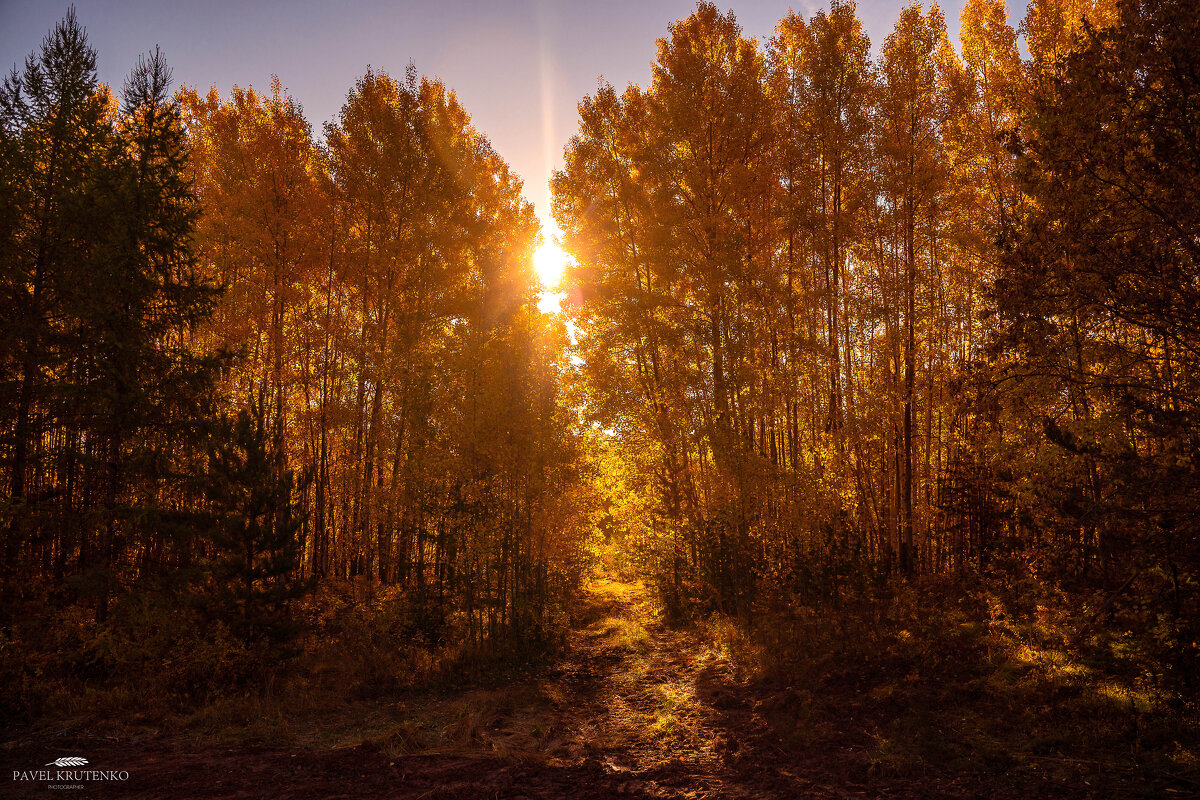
53 132
253 574
145 394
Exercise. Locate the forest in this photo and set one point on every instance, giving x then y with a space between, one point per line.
862 458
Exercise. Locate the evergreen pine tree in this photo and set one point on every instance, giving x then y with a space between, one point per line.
145 392
253 576
53 131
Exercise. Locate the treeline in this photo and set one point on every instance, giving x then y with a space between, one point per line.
380 296
234 361
932 312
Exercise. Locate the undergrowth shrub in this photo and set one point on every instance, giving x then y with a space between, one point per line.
371 640
148 655
354 640
985 676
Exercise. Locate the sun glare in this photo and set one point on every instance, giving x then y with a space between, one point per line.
549 261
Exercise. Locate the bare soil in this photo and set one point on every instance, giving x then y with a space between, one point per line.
634 709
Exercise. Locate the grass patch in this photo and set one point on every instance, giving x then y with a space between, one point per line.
672 702
622 632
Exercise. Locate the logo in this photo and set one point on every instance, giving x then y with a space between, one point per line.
72 777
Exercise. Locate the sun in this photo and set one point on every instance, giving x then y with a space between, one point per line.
549 261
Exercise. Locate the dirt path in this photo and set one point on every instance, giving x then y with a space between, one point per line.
634 709
644 710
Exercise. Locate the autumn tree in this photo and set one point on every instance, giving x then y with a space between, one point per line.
629 300
257 176
680 238
822 83
1052 28
1097 293
779 306
989 47
822 75
916 66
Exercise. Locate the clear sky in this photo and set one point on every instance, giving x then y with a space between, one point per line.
519 67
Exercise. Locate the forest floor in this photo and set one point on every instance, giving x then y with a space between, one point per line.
633 708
